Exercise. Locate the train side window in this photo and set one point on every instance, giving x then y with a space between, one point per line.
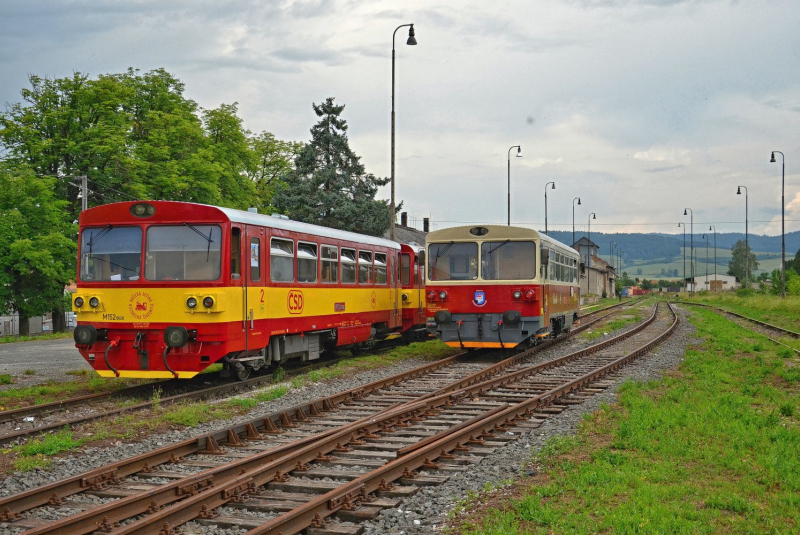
330 263
380 268
236 253
405 270
348 266
255 259
364 267
281 260
306 262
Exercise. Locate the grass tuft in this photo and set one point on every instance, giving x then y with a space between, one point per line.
6 379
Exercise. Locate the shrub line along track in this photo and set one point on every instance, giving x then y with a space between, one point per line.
764 325
197 495
149 389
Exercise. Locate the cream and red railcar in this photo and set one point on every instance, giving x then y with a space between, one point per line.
165 289
412 279
495 286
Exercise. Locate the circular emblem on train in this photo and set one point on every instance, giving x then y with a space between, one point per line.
374 300
140 305
479 299
295 302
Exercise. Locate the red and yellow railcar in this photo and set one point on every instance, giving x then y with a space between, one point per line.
412 279
166 288
495 286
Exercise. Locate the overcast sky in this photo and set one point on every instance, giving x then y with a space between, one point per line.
640 108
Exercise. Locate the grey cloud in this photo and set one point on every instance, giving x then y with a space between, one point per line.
663 169
310 54
309 9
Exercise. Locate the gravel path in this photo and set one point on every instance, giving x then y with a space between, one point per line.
50 359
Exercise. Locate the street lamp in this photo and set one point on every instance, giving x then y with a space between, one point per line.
712 227
573 217
411 41
545 203
691 241
705 237
589 256
783 234
611 247
684 254
519 155
746 246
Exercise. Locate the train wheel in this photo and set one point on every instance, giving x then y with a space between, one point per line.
241 372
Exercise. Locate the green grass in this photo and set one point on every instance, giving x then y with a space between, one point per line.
612 326
769 308
51 336
35 454
6 379
711 449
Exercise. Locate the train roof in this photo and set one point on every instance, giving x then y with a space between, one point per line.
188 212
494 232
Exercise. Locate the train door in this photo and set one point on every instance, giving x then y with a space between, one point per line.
256 297
394 280
238 281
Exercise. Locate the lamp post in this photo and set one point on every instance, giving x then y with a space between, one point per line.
746 246
705 237
612 246
545 203
783 234
684 254
712 227
411 41
573 217
589 256
519 155
691 241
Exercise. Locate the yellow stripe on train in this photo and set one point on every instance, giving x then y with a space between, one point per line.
492 345
145 374
164 305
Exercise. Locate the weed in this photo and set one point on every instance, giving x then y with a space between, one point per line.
26 464
5 379
278 374
49 444
155 399
30 372
245 404
787 409
272 393
785 352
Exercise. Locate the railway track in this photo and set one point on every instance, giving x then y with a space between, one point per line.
350 455
19 429
763 327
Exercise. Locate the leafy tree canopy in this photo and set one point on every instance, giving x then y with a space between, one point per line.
329 185
739 263
37 254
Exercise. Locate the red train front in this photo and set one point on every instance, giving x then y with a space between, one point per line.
495 286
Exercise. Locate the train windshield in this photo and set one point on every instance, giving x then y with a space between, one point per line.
508 260
183 253
111 253
452 261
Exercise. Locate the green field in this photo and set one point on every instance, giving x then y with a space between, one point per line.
651 269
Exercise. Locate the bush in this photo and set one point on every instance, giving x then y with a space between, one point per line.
745 292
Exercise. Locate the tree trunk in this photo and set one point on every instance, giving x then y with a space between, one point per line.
24 326
59 324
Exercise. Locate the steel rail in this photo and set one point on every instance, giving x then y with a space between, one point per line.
11 506
359 490
256 471
42 495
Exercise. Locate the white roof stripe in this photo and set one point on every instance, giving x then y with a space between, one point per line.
250 218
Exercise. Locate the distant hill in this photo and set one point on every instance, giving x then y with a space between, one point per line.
639 246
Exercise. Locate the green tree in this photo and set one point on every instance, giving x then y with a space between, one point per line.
796 263
271 161
639 271
37 254
736 265
230 151
329 185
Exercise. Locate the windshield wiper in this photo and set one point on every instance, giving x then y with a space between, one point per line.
499 246
439 253
207 238
94 239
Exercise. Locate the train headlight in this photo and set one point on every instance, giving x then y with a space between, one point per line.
94 302
443 317
85 335
208 301
79 302
442 295
517 294
405 297
511 317
191 303
431 295
143 209
529 294
176 336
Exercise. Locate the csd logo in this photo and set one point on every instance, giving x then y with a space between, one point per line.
294 302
